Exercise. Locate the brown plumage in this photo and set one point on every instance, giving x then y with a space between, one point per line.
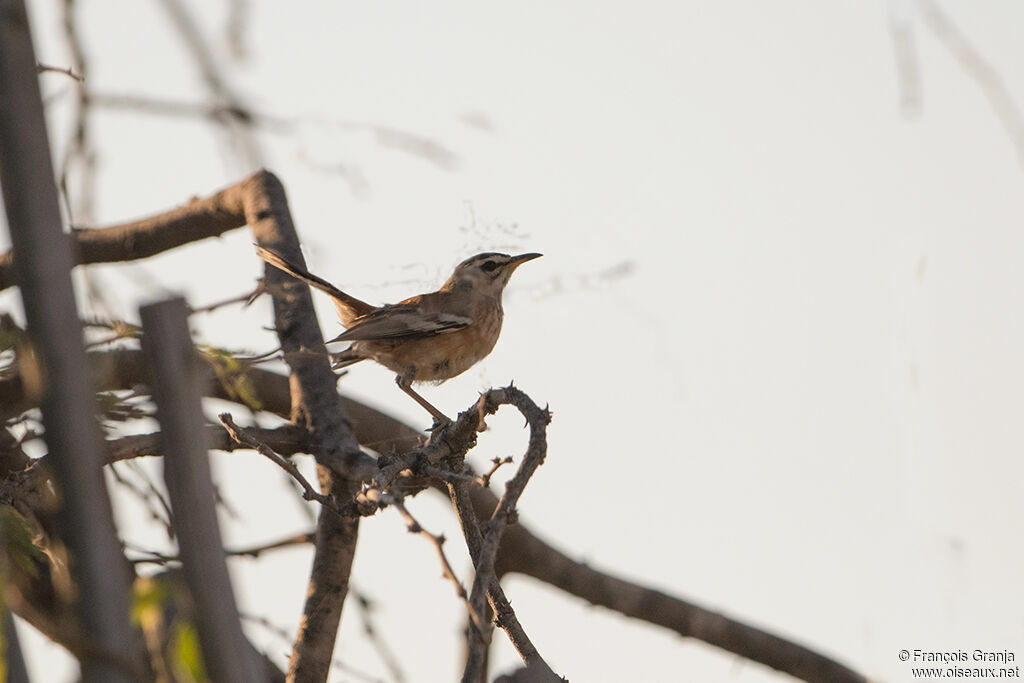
425 338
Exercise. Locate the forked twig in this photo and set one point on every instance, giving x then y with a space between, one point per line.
308 492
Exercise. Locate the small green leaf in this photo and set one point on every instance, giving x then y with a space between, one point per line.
186 656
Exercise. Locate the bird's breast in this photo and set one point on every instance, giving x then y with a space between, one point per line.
442 356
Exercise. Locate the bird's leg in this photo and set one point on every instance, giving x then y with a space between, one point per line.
404 382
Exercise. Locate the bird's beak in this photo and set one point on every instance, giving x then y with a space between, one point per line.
521 259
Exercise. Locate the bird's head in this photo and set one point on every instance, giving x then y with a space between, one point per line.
487 273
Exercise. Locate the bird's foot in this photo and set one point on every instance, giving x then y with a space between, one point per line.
440 422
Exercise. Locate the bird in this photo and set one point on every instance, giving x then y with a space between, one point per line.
429 337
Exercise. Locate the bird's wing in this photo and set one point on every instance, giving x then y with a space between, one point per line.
412 319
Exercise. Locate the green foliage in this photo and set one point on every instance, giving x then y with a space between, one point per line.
162 610
113 407
186 655
150 598
19 540
233 375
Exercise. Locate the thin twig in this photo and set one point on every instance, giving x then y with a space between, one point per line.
81 147
270 356
983 73
451 441
237 118
216 110
155 557
246 299
146 498
151 487
504 615
485 479
308 492
448 476
151 556
257 550
384 651
415 527
286 636
67 71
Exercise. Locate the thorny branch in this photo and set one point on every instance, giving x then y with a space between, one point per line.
485 550
379 495
67 71
496 463
451 443
437 540
505 617
308 492
155 557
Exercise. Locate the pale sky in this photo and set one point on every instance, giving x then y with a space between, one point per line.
777 320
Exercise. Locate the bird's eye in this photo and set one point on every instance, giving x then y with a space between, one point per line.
489 266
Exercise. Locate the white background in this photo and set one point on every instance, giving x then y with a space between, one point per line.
778 317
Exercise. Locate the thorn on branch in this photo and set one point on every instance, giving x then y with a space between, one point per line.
485 479
438 541
244 438
244 299
43 68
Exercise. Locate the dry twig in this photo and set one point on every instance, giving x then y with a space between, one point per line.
308 492
67 71
415 527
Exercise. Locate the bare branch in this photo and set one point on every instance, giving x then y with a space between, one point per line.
908 70
284 636
67 71
308 492
155 557
538 420
438 541
245 299
220 90
154 503
385 652
504 614
485 479
257 550
285 440
523 553
980 70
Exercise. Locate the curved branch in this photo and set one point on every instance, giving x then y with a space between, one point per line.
484 550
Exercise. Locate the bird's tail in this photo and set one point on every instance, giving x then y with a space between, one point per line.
344 359
349 308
